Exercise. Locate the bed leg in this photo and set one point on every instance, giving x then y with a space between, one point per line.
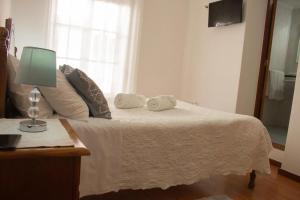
251 184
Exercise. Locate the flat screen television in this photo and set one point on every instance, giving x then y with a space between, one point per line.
225 12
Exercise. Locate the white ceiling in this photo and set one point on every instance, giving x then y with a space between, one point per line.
292 3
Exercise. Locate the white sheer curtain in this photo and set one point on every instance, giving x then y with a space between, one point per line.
99 37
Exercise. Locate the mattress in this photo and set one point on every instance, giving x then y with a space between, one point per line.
140 149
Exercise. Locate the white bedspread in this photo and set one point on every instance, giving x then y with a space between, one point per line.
140 149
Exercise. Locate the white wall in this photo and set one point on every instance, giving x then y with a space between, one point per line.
162 46
222 64
5 11
254 35
291 161
30 20
281 36
213 58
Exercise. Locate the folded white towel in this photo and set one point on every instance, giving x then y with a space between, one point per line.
159 103
127 101
276 85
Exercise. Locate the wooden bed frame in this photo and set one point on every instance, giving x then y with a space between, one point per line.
5 33
4 48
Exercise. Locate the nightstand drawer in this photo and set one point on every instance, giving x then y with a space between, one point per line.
49 178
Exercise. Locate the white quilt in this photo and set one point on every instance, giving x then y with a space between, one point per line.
140 149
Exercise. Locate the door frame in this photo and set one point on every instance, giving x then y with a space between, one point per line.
265 62
265 57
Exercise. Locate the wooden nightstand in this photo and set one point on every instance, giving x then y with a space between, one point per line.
42 173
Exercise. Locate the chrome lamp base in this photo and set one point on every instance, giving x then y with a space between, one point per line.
33 126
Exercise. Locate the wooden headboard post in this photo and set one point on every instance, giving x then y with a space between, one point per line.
4 48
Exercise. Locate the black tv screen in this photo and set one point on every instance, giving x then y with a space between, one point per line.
225 12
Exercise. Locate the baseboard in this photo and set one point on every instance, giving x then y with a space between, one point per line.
284 172
275 163
289 175
279 146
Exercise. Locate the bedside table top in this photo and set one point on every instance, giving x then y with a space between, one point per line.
55 136
73 147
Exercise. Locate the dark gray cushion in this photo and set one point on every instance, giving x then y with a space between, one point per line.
90 93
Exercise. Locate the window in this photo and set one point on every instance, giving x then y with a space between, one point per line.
94 36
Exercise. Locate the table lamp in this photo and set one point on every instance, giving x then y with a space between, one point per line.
37 68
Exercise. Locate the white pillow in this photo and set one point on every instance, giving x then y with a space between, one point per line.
64 99
19 93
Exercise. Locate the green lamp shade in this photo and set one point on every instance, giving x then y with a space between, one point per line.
37 67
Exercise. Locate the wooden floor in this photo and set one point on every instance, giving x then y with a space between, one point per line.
273 187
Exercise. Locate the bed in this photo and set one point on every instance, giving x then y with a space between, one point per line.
140 149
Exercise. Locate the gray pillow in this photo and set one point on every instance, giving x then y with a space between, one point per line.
90 93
